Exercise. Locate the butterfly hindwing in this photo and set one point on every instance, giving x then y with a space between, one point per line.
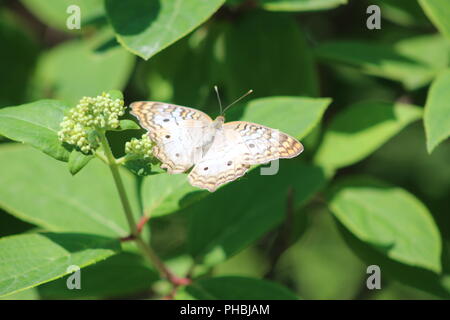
222 163
264 144
177 131
237 146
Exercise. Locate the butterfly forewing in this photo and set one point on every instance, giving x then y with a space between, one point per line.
264 144
179 132
223 162
237 146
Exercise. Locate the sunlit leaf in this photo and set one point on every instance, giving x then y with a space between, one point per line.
390 219
437 111
37 124
147 27
362 128
31 259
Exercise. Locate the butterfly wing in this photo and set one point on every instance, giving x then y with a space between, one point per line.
238 146
264 144
222 163
178 132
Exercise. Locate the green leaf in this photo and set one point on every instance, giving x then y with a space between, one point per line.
10 225
407 61
54 12
57 201
404 12
274 60
437 111
163 194
438 11
300 5
231 218
31 259
296 116
236 288
37 124
127 125
120 275
361 129
115 94
77 161
97 64
147 27
412 276
390 219
28 294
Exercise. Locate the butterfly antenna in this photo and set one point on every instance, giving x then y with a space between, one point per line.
218 98
236 101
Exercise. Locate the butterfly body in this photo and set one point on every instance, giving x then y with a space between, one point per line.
219 152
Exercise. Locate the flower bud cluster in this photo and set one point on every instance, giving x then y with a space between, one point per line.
101 112
140 147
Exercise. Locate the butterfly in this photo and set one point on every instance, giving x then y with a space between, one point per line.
219 152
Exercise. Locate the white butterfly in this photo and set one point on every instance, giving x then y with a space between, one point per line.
220 152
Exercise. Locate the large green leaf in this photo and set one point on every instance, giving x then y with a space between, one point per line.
362 128
31 259
274 60
37 124
164 194
54 12
300 5
77 161
437 111
41 191
123 274
438 11
412 276
412 61
235 288
28 294
404 12
296 116
96 65
147 27
390 219
234 216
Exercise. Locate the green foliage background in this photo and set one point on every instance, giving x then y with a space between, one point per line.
372 108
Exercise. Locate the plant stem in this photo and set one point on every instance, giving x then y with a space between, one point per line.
146 250
119 184
153 258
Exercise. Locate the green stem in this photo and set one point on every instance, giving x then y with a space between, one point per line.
153 258
119 183
146 250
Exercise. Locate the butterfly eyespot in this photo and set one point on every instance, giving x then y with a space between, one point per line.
251 145
229 163
205 168
168 136
177 154
166 120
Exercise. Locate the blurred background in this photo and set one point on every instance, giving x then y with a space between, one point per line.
274 53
